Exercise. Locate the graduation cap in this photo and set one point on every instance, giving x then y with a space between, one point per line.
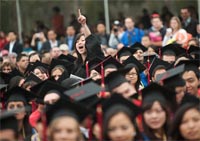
125 51
190 99
149 58
8 121
118 100
18 94
68 66
190 65
109 62
63 108
114 79
193 49
47 86
3 87
154 92
67 57
32 77
32 66
138 46
172 78
67 83
174 49
133 62
83 92
157 64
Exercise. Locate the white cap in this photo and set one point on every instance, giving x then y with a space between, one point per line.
64 47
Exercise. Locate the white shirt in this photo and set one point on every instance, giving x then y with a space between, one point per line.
53 44
11 45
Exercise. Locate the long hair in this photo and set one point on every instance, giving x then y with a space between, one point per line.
174 131
147 130
114 111
178 21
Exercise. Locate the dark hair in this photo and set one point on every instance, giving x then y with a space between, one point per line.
19 57
175 132
114 111
147 130
42 69
32 54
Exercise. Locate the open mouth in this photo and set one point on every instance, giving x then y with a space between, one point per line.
81 47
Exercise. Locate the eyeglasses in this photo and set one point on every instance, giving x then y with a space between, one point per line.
131 74
15 106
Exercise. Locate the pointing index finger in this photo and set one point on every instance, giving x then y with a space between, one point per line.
79 12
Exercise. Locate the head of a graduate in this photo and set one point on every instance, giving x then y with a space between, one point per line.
191 76
79 45
117 83
9 127
183 124
123 54
156 108
139 51
65 116
22 62
41 72
118 112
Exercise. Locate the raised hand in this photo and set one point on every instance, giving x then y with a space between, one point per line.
81 18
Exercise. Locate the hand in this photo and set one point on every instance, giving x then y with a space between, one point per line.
81 18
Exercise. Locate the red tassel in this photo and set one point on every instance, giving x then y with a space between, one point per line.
102 81
3 101
100 121
148 67
34 106
89 126
44 126
160 55
87 69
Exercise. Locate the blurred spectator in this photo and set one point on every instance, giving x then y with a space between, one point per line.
198 32
101 34
7 67
46 58
74 23
166 16
70 36
33 57
188 23
13 45
39 27
132 34
193 42
175 33
26 44
22 63
37 41
55 52
58 21
145 19
3 40
116 34
51 42
146 41
12 57
157 31
64 49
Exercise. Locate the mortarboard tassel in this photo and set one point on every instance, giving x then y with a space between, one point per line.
102 94
100 121
87 69
2 98
159 52
44 127
33 106
148 67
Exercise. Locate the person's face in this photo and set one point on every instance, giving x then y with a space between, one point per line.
80 45
151 51
120 128
51 35
51 98
6 69
123 58
157 72
55 52
12 59
180 92
132 76
192 82
7 135
70 31
125 89
129 23
56 74
156 22
23 62
146 41
139 55
109 70
155 117
100 28
39 74
34 58
173 24
17 105
170 59
12 36
66 129
190 125
185 14
95 75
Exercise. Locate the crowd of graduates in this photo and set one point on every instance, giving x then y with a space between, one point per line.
145 86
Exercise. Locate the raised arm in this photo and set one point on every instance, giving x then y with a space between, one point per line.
82 21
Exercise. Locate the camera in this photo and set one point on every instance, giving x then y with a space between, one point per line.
115 30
